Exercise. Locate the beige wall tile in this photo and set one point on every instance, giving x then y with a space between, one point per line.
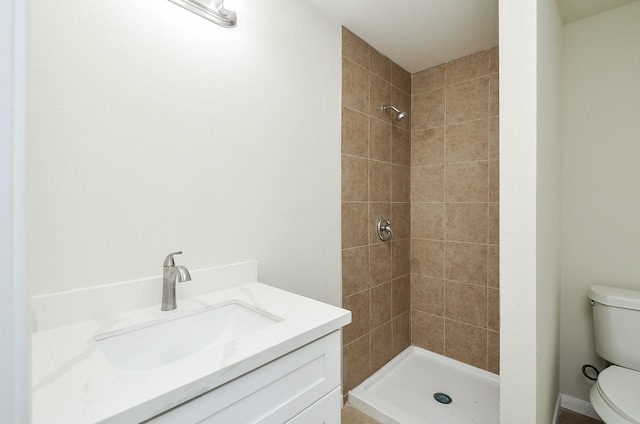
466 303
468 101
377 211
355 179
466 222
494 138
468 67
493 352
493 309
494 95
406 164
381 346
428 110
493 266
380 65
354 48
401 220
466 262
380 140
401 328
427 147
427 221
355 270
400 295
427 258
350 415
400 183
427 184
401 263
427 331
380 263
494 60
400 146
427 294
466 343
466 182
375 138
355 133
379 181
494 223
358 304
427 80
354 225
468 141
380 94
356 363
400 78
494 181
380 305
457 203
355 86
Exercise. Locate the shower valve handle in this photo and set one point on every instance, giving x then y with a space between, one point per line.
385 232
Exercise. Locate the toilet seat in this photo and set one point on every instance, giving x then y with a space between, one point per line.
616 395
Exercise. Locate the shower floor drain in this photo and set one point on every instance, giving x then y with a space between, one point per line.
442 398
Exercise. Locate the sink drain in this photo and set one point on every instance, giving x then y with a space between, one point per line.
442 398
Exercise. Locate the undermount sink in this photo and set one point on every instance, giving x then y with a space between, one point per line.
158 344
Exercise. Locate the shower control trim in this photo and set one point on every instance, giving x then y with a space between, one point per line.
385 232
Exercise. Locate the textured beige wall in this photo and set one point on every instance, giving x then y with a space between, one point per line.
435 175
375 183
454 210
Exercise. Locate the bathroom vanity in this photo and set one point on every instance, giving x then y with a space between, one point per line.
234 350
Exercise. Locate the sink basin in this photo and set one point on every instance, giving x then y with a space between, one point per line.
168 341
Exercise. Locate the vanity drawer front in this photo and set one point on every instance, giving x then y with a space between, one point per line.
325 411
273 393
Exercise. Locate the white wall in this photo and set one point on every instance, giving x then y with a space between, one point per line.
601 176
14 334
154 130
517 212
548 205
530 130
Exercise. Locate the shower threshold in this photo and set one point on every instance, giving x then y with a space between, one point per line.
422 387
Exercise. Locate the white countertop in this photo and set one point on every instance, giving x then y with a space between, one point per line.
74 383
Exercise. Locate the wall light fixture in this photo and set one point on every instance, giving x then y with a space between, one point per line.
212 10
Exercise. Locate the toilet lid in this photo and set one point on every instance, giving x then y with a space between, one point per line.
620 388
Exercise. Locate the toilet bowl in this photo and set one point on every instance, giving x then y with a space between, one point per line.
616 396
616 319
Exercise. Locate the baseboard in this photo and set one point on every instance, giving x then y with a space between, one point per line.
556 410
578 405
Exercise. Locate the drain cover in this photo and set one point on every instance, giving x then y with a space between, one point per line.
442 398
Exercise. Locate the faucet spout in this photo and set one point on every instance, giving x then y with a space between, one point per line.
172 274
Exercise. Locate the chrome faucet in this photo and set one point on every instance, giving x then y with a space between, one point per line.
172 274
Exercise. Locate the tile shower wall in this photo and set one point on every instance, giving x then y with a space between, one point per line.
375 183
454 210
435 175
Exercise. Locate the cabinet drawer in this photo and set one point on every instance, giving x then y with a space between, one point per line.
273 393
325 411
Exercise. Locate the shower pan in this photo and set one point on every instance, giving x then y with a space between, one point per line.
422 387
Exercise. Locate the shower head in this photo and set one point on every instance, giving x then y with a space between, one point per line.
400 115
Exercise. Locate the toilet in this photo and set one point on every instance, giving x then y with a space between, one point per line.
616 321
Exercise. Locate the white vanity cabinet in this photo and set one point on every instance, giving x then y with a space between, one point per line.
228 368
300 387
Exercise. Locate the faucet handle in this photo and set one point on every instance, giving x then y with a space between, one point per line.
168 261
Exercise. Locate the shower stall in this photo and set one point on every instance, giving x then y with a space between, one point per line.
429 295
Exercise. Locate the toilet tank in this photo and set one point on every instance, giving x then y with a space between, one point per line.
616 322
